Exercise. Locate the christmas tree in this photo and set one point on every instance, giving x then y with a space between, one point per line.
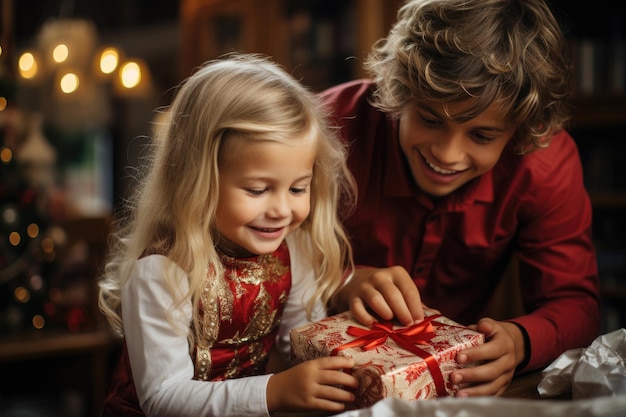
27 252
37 288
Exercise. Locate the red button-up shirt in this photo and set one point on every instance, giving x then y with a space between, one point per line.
533 206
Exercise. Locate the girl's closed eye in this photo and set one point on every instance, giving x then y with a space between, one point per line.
299 190
255 191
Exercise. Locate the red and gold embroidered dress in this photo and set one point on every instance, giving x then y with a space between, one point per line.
240 316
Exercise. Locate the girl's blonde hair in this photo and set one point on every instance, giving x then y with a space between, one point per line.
249 97
507 51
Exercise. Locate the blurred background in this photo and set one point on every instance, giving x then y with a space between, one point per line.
79 83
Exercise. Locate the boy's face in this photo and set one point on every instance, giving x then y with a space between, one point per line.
265 193
445 155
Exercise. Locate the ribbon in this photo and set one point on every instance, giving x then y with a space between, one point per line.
406 337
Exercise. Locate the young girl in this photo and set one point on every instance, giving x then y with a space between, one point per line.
232 240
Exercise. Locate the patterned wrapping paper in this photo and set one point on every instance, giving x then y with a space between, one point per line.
408 363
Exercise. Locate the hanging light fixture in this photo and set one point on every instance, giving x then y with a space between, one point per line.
70 77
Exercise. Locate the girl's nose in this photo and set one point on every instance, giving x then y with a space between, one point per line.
279 206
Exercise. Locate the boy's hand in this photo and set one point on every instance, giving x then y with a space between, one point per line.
387 292
502 351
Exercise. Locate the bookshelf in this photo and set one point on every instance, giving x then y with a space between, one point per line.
597 37
321 42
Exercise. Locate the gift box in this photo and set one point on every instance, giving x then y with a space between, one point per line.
405 362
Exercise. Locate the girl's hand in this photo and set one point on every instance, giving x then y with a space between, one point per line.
387 292
502 351
317 384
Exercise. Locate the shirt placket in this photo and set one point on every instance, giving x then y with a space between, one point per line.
431 242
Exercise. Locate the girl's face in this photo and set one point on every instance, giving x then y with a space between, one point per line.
445 155
264 194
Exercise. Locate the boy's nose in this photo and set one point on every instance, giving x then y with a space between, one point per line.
449 150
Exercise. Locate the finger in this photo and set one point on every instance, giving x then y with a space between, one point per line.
336 396
488 379
386 302
486 326
408 308
338 379
334 362
479 373
333 371
397 307
360 312
331 399
485 352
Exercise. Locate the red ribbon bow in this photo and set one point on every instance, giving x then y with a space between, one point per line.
406 337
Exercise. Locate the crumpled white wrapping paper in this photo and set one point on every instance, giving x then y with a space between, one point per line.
494 407
596 371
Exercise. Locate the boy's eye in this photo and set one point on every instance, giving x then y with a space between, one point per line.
430 121
482 139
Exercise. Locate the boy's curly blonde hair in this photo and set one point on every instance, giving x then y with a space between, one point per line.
512 52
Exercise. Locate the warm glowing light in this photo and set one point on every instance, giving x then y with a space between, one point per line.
47 245
21 294
60 53
109 60
38 322
3 103
130 75
69 83
36 282
32 230
9 215
14 238
27 65
57 234
6 155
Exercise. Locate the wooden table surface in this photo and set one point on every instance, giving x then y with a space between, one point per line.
525 386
